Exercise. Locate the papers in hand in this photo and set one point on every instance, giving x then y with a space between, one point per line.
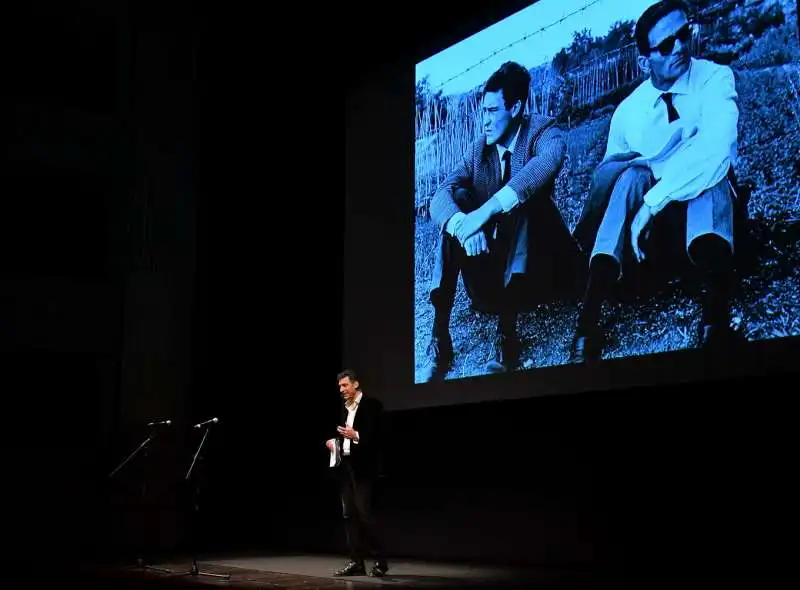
336 452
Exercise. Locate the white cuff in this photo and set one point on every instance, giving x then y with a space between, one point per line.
507 198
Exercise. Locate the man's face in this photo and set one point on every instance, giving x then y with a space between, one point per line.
348 389
496 117
670 35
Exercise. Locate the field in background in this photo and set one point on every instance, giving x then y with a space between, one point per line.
769 304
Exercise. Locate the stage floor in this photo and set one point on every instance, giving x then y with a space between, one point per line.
293 571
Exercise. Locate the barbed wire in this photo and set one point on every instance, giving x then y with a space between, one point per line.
520 40
704 12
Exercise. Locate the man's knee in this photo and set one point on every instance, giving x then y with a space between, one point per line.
711 253
604 268
634 177
465 199
438 298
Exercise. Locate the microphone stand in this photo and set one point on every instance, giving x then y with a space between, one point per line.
195 570
142 448
136 451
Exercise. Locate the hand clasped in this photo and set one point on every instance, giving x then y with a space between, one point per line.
346 431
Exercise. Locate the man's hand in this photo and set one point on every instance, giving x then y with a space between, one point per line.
347 432
329 443
640 230
472 224
476 244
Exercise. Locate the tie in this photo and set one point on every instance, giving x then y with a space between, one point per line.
506 167
672 113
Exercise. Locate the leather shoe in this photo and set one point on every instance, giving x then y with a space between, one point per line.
351 568
379 569
577 355
440 354
585 348
506 354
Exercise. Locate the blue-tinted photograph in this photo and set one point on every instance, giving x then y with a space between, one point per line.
598 179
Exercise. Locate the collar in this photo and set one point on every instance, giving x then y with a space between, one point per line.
680 86
355 402
502 150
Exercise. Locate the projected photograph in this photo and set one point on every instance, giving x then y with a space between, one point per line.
597 179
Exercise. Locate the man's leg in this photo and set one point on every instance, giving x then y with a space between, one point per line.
505 279
605 265
505 347
538 258
450 260
709 245
355 566
368 527
442 293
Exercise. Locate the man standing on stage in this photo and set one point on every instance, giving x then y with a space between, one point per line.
360 436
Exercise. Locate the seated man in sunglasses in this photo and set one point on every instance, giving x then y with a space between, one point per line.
671 147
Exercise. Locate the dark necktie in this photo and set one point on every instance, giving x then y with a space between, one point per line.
672 113
506 167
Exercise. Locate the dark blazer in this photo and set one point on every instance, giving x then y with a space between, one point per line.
535 163
366 456
549 252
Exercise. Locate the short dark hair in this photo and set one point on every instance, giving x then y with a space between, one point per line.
514 80
348 374
649 19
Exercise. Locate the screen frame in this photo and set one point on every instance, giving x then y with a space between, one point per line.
376 341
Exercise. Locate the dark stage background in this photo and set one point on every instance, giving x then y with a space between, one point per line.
650 480
197 310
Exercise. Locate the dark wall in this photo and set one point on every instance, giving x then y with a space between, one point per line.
269 282
638 478
96 282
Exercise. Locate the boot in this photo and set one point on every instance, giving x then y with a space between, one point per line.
440 349
505 352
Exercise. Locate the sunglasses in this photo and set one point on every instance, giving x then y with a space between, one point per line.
667 45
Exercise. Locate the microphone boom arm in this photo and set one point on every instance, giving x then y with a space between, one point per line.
144 443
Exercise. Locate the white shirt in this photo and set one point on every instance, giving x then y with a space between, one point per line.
507 196
351 416
705 99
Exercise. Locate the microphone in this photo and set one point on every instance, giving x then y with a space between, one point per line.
211 421
160 423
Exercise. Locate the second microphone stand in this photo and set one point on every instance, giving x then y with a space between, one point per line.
195 518
142 448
